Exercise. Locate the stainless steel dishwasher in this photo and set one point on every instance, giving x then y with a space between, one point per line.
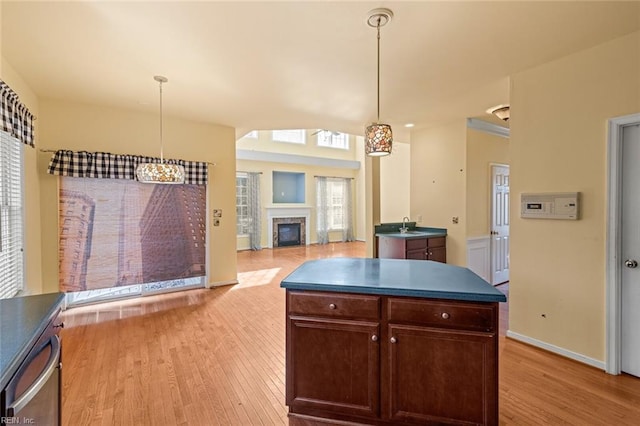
33 395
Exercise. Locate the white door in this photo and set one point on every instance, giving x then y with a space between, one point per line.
500 224
630 291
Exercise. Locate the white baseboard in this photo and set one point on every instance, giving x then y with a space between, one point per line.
557 350
221 283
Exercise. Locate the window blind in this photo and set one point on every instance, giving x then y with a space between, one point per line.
11 230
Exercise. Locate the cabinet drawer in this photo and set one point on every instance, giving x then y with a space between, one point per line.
416 244
334 305
437 242
466 316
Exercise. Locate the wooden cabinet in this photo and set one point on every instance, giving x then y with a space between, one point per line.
434 248
391 360
333 356
443 366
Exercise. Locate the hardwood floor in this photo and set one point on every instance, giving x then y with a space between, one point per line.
216 357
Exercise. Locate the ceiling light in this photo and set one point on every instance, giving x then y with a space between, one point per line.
378 136
409 125
500 111
160 172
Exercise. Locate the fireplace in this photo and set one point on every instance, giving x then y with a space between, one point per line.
288 234
289 231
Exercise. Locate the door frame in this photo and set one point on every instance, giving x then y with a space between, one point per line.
614 241
491 166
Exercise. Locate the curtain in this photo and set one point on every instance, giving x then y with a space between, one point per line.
323 209
15 118
117 166
255 213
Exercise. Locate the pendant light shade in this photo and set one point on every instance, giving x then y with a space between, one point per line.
160 172
378 137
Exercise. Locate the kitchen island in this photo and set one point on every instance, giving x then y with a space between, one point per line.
389 341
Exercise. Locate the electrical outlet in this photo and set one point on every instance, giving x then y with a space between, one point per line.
419 218
455 219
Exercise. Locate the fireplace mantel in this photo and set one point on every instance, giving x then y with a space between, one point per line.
277 212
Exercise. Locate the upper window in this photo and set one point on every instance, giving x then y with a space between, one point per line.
292 136
11 231
242 204
252 134
333 139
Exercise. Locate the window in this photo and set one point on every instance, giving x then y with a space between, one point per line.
291 136
11 231
242 204
335 196
333 139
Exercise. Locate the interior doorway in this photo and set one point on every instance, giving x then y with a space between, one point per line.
623 246
500 200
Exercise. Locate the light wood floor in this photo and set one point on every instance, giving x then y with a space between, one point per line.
216 357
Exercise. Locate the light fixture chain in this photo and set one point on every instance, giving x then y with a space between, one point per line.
161 140
378 26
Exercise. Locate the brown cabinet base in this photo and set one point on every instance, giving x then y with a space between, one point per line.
415 362
434 248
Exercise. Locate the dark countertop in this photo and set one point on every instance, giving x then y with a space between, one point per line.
391 230
22 322
392 277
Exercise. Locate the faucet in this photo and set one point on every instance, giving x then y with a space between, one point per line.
404 228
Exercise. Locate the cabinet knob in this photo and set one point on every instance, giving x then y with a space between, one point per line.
445 315
332 306
393 340
374 338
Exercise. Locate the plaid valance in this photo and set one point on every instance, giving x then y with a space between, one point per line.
15 118
116 166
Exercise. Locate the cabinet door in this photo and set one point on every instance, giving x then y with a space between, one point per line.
437 254
442 376
420 254
333 366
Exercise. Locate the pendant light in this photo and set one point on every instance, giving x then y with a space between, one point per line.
378 136
160 172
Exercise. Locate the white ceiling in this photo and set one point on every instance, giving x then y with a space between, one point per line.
269 65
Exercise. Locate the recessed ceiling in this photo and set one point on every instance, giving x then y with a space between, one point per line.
269 65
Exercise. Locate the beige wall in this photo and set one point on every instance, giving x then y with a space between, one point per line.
32 244
558 143
395 177
483 149
95 128
438 183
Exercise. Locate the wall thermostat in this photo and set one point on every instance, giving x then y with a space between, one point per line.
557 205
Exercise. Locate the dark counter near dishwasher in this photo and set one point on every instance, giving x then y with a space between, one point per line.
22 322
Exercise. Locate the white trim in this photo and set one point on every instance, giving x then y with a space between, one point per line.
479 256
484 126
614 241
285 212
556 349
277 157
221 283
